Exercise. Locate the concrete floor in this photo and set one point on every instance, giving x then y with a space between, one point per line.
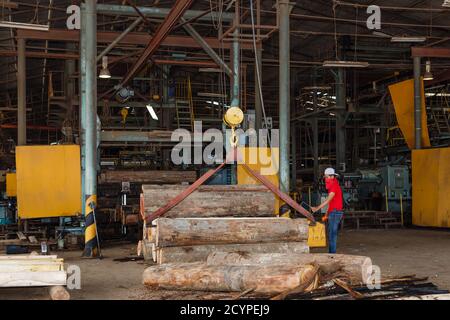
397 252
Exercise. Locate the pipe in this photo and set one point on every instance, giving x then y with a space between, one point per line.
205 46
161 12
284 9
417 103
340 119
21 93
89 123
119 38
235 100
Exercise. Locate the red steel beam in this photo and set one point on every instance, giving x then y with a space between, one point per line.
430 52
133 38
72 56
161 33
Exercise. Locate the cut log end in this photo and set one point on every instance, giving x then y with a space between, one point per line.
59 293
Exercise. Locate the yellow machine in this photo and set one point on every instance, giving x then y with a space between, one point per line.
430 178
11 185
48 181
266 161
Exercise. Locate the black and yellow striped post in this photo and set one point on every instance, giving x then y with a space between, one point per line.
91 244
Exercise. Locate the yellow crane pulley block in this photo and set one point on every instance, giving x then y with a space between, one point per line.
124 114
233 118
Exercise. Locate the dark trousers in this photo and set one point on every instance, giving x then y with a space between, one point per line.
334 219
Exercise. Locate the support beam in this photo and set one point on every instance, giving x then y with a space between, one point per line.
417 103
21 94
133 38
118 39
161 13
89 121
284 8
430 52
178 9
210 51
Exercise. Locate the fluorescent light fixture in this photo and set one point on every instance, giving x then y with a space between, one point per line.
428 75
152 112
104 73
211 95
429 94
323 88
345 64
408 39
210 70
20 25
381 34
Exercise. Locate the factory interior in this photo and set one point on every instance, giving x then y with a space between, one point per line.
176 150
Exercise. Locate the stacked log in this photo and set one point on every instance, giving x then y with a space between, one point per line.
193 239
201 277
150 176
210 201
354 268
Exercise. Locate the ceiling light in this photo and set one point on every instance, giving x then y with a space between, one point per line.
28 26
381 34
152 112
446 3
345 64
428 75
211 70
104 73
408 39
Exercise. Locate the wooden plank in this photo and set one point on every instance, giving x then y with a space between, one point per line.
32 279
201 253
9 268
28 256
210 201
208 231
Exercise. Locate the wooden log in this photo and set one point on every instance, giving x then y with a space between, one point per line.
201 253
59 293
356 268
200 277
150 177
149 251
33 279
210 201
200 231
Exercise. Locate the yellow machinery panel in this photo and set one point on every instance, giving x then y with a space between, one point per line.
262 161
48 181
431 187
402 94
11 185
317 236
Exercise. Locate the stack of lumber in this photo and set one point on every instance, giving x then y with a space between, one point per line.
31 271
151 176
193 239
268 273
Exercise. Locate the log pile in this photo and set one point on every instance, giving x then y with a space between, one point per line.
149 176
193 239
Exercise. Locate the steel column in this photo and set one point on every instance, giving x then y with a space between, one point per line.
340 119
284 9
417 103
89 121
21 93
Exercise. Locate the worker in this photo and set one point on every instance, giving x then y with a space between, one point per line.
335 207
